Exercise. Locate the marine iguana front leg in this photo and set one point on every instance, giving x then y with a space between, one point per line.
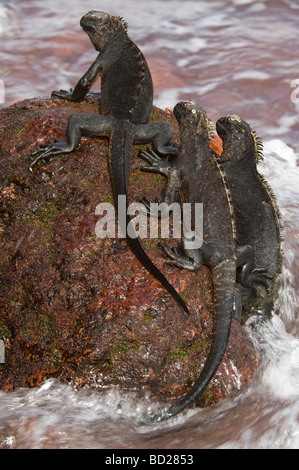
84 84
168 169
76 125
156 164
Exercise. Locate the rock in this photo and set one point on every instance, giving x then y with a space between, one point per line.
82 309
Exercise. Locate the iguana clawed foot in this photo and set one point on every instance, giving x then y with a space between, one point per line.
63 95
47 151
156 163
160 211
191 262
255 277
147 204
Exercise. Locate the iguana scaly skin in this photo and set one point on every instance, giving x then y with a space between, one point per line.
125 104
257 217
195 176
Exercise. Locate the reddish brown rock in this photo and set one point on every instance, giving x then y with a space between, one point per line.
82 309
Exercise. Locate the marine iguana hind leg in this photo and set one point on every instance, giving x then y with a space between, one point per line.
192 262
249 276
194 258
78 124
158 133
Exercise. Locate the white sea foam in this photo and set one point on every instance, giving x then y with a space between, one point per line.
169 97
282 152
251 75
284 124
281 171
280 352
258 6
8 19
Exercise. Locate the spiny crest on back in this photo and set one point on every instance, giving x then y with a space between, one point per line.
215 140
258 147
278 218
100 19
123 23
211 129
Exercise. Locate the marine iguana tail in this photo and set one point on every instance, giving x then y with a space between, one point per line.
120 150
197 177
224 276
257 217
125 103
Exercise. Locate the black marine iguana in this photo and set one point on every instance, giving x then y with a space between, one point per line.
125 104
256 214
195 176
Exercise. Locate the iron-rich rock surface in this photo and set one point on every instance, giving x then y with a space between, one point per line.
82 309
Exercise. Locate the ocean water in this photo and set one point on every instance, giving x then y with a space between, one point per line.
231 56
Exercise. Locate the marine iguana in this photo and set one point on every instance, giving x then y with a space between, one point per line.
125 103
256 214
196 176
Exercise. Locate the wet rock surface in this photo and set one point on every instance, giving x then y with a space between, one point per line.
82 309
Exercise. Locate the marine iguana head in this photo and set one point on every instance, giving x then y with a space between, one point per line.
102 28
191 116
239 141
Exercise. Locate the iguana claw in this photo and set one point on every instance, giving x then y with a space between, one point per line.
259 276
157 164
47 151
183 262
